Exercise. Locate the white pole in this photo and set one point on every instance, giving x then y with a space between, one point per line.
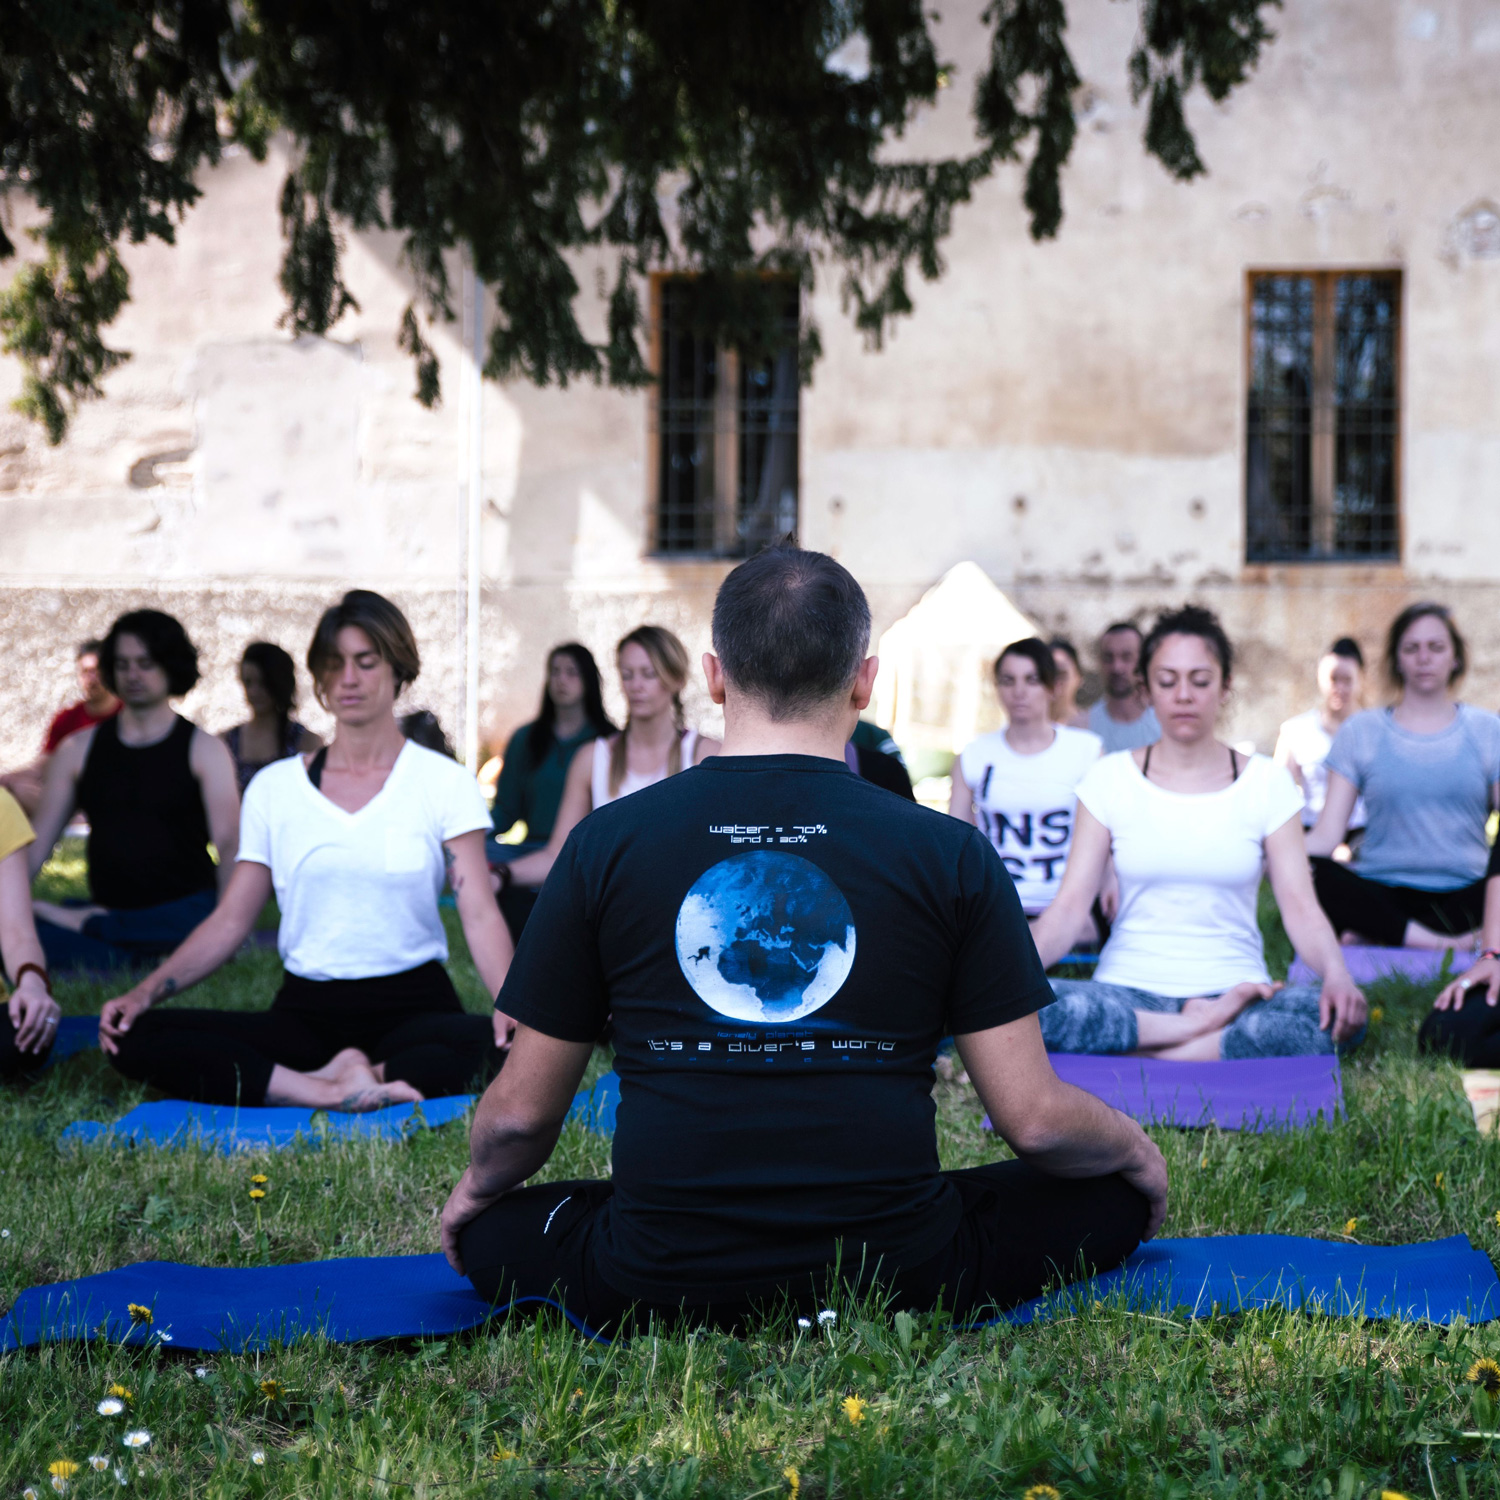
474 498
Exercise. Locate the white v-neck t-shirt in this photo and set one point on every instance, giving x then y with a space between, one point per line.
359 891
1190 866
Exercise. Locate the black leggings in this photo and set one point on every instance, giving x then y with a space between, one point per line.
411 1022
1468 1032
1379 913
1021 1232
14 1062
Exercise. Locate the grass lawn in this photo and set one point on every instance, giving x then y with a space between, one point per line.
1103 1403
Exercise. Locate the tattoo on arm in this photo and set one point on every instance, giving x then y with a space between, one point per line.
166 988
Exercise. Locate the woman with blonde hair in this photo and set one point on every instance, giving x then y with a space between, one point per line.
655 744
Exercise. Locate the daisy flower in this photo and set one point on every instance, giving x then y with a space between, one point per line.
111 1406
827 1316
258 1457
98 1462
136 1439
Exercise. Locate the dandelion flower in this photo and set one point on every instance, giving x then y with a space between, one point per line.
63 1468
578 1393
502 1454
793 1479
1486 1372
122 1392
258 1457
98 1462
1042 1492
111 1406
136 1439
1392 1495
827 1316
139 1314
854 1409
257 1193
1350 1225
807 1322
1377 1015
1437 1182
272 1390
260 1179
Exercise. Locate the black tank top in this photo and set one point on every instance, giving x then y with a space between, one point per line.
148 833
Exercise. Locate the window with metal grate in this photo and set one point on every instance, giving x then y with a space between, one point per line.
726 438
1323 424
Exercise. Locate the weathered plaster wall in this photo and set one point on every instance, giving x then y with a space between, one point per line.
1069 415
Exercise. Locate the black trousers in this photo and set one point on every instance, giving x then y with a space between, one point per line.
412 1022
14 1062
1021 1232
1379 913
1469 1032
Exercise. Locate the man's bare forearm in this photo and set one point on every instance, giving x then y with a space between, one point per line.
502 1157
1080 1136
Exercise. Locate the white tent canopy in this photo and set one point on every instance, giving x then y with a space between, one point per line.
933 691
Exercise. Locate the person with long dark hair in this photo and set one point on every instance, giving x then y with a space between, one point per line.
539 753
269 678
1428 771
1065 709
157 791
357 842
654 744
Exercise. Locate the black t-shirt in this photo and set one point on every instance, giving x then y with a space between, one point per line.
782 946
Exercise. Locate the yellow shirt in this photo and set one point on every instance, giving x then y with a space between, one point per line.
15 831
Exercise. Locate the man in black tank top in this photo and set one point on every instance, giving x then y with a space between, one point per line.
157 791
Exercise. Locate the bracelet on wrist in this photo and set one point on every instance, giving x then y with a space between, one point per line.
40 973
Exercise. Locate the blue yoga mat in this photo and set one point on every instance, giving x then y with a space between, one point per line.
238 1308
177 1122
1433 1282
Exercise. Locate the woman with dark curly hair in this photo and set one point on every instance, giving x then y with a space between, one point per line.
157 791
1193 826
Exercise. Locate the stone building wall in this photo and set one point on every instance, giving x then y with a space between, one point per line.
1069 415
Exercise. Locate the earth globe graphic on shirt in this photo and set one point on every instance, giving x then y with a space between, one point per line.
766 937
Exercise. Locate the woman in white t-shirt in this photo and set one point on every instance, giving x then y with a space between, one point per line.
356 841
1192 825
1018 785
654 744
1305 740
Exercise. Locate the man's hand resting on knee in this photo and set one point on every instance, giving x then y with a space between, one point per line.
515 1127
1054 1126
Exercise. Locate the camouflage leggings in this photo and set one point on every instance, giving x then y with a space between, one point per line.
1088 1016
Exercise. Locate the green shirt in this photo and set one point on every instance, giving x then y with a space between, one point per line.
531 794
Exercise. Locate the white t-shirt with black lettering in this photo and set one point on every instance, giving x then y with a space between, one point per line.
1024 805
359 891
1190 866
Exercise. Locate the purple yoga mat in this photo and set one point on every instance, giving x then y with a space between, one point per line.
1262 1093
1366 965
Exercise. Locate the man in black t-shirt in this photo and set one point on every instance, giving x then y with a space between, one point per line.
780 946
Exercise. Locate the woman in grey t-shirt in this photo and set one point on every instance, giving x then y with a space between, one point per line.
1427 770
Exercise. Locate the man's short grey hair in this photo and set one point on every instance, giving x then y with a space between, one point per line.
791 628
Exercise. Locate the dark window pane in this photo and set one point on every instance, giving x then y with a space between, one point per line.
768 466
686 398
1365 316
1278 464
724 422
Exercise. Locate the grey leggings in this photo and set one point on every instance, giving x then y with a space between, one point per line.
1088 1016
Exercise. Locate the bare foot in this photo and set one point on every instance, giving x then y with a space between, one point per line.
71 917
1215 1014
378 1096
351 1061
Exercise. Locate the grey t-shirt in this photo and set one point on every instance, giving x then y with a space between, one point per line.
1145 730
1428 796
